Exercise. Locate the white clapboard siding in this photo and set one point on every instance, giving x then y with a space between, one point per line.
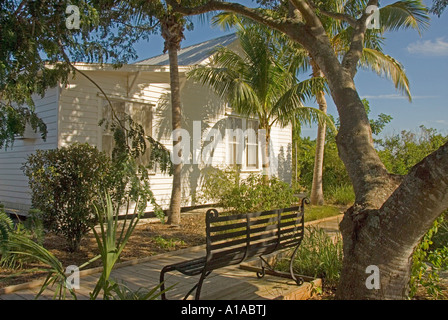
73 112
14 191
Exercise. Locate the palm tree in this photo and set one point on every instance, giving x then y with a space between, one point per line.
408 14
257 82
396 15
172 31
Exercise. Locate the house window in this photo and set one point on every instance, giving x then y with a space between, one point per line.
139 112
142 114
119 110
242 141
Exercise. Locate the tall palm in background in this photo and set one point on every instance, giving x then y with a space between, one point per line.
257 82
172 29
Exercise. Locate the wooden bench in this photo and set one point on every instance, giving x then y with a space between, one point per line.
232 239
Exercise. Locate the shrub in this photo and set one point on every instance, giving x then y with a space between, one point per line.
65 184
251 194
429 259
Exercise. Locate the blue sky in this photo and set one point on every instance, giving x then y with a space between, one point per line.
424 57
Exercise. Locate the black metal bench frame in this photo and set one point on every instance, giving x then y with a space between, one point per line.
232 239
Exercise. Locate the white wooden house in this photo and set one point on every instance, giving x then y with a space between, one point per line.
72 114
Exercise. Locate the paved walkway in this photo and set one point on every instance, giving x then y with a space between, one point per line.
230 283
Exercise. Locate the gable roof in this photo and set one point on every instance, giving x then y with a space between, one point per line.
194 54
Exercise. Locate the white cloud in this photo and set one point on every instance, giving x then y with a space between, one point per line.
438 47
395 96
385 96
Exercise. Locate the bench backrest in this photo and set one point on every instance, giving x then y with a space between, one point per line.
233 238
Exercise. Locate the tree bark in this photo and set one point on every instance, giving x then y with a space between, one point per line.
317 192
172 32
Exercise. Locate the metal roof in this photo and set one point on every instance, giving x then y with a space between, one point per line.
194 54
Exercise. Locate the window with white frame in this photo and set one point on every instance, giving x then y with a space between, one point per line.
140 113
242 143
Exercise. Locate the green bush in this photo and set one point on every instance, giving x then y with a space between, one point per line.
400 153
65 185
334 172
429 259
319 256
246 195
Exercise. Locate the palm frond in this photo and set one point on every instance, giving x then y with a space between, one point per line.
385 65
20 247
290 106
404 15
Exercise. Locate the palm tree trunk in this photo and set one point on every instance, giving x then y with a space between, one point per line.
265 155
172 32
317 193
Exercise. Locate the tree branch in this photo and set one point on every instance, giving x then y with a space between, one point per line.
256 15
351 58
307 12
335 15
420 198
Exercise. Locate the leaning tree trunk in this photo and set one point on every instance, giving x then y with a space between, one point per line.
391 214
317 192
172 32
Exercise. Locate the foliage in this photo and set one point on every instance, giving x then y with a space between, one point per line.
111 240
36 45
22 248
246 195
400 153
170 243
341 194
428 261
334 172
65 184
439 6
33 225
319 256
6 226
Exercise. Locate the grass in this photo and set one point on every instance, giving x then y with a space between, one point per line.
341 195
320 212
